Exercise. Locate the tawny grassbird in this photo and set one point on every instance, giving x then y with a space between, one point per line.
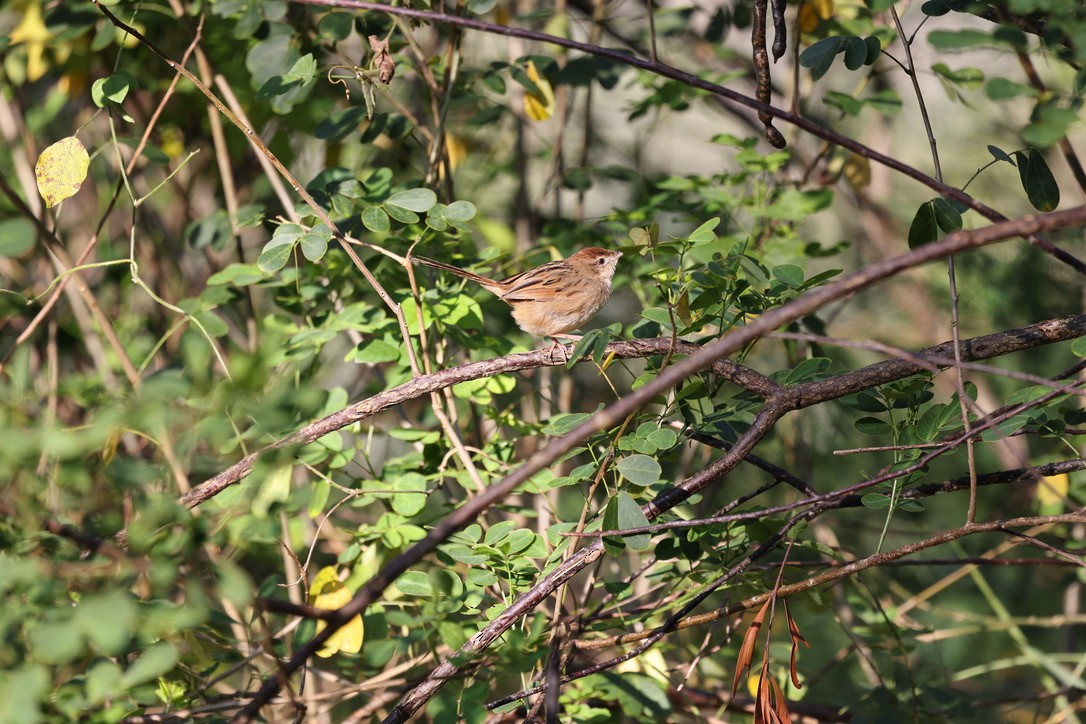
555 298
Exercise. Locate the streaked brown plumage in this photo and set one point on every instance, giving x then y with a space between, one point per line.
555 298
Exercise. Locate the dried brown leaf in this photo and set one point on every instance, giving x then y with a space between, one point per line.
382 59
746 651
797 637
780 711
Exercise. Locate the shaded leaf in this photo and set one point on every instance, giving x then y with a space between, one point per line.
1037 180
925 227
947 216
623 513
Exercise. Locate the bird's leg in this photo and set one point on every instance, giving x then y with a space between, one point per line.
565 352
558 345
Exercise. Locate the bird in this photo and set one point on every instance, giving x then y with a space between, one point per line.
555 298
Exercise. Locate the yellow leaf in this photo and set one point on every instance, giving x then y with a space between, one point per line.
814 12
329 593
682 308
753 682
457 151
558 25
538 107
1052 490
173 142
61 169
857 172
32 31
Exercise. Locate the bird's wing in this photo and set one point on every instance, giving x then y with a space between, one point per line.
544 282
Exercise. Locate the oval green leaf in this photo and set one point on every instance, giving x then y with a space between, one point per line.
639 469
417 200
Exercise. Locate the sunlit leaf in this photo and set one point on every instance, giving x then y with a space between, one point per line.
61 169
538 106
328 592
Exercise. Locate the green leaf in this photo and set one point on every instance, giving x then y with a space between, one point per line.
108 620
959 39
464 554
844 102
274 488
304 69
17 236
925 228
1000 155
819 56
855 53
276 86
335 26
339 125
593 343
622 513
376 351
965 77
564 423
374 218
498 532
790 274
935 8
663 439
417 200
876 501
22 689
1037 180
413 500
460 211
415 583
704 233
56 642
103 682
927 427
404 216
315 242
112 90
239 275
874 49
639 469
946 215
807 370
152 663
1049 124
275 255
886 102
873 426
1002 89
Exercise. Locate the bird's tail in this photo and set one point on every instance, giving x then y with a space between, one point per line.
480 280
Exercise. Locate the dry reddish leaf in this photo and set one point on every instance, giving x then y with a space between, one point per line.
746 651
382 59
763 709
780 711
797 637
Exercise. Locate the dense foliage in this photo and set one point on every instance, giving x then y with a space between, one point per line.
231 406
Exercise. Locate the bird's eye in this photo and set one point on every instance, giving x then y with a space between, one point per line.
601 261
